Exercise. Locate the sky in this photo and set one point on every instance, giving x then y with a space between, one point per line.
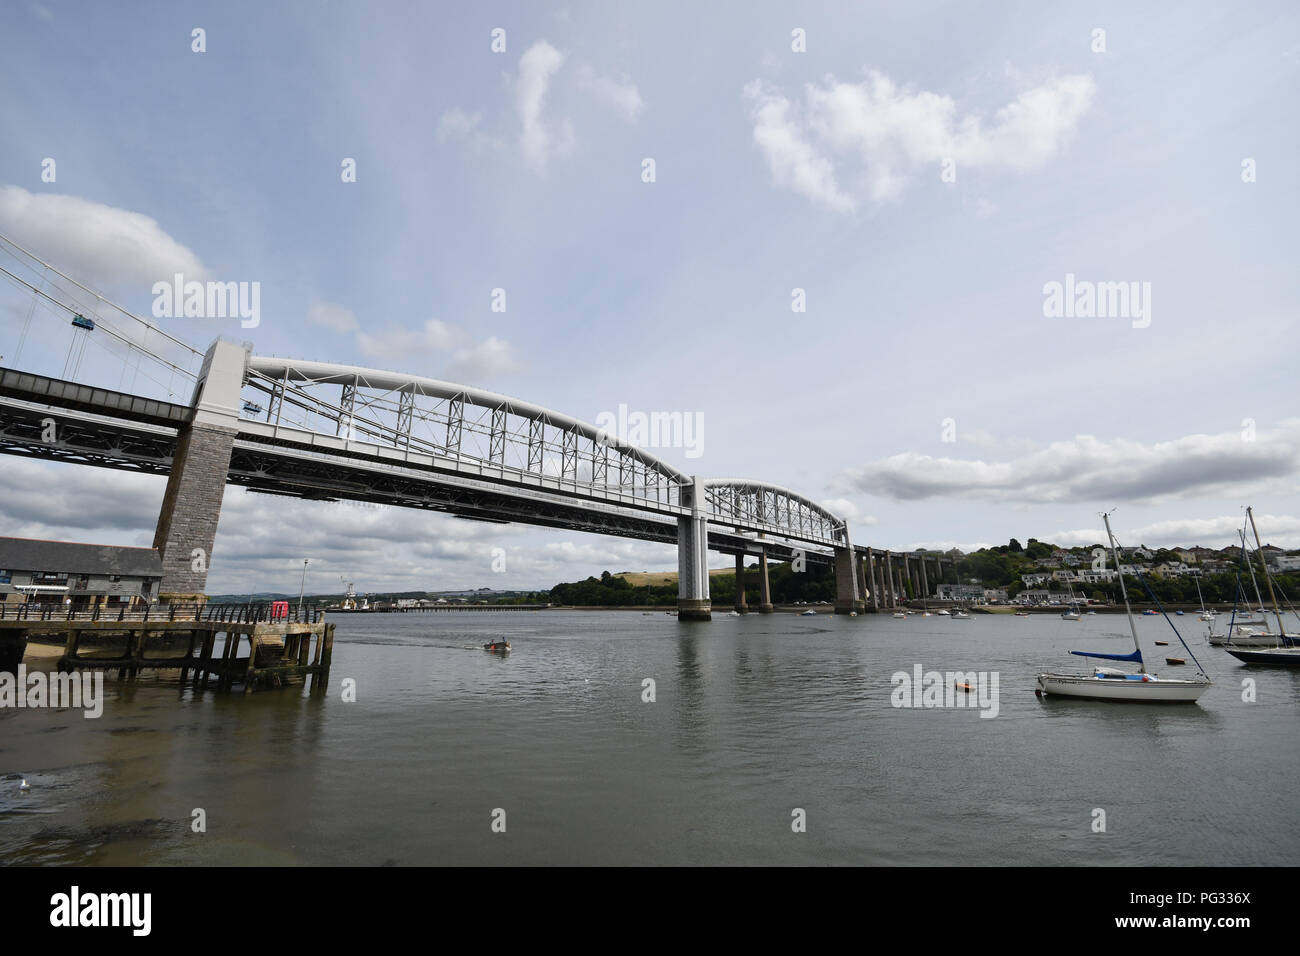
830 232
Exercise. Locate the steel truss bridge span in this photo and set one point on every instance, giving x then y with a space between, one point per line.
399 420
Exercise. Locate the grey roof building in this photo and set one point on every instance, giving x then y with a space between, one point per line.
54 570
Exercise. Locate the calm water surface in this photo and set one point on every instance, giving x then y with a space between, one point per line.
754 716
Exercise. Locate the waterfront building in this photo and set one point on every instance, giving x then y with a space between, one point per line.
80 575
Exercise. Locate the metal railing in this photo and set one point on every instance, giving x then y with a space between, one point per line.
250 613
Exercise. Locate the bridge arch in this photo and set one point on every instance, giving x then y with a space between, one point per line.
772 508
445 419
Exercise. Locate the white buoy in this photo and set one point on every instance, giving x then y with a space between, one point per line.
23 786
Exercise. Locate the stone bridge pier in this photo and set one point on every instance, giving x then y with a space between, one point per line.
196 484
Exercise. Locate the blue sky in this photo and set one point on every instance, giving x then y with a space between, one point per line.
774 170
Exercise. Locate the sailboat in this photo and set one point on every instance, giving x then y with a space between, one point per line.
1286 653
1243 629
1072 612
1206 614
1115 684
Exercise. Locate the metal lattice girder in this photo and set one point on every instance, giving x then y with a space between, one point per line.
569 455
536 445
772 509
405 410
497 451
426 416
348 405
455 422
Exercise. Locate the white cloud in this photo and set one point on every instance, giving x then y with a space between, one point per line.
794 163
460 126
98 244
1088 469
1283 531
416 349
542 135
487 359
537 66
332 316
396 342
849 511
621 94
887 134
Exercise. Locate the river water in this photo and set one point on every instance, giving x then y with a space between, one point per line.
754 718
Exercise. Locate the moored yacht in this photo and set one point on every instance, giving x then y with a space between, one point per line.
1116 684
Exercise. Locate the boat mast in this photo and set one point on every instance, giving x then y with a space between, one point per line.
1245 556
1268 579
1200 597
1124 591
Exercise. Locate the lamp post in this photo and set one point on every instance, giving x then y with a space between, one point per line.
301 586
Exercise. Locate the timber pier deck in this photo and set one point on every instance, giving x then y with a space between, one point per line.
283 648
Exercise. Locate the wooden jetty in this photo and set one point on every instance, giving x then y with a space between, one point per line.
285 645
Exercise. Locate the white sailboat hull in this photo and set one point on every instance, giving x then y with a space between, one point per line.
1153 690
1243 640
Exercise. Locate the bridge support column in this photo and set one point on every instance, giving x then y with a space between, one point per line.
860 566
925 584
874 587
741 606
764 588
847 598
693 602
886 585
196 484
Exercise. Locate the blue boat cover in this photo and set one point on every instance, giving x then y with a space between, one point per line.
1135 656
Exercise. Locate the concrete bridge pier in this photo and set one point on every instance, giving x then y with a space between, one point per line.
764 588
887 579
693 602
925 584
860 566
196 484
741 606
873 587
848 598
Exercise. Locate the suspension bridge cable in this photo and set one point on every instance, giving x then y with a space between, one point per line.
106 327
129 314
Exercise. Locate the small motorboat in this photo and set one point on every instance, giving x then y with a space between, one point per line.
1149 613
1178 613
1175 660
497 647
960 616
942 612
1162 643
900 615
808 613
1022 614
